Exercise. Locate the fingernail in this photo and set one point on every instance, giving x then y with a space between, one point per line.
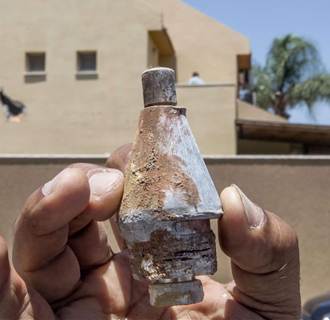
50 186
254 214
103 181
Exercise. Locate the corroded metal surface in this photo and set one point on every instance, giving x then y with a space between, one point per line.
165 294
176 250
159 87
166 176
168 200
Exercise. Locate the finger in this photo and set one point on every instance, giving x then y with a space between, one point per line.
42 229
4 264
88 239
110 285
91 246
265 257
6 302
41 252
116 232
212 306
120 157
106 188
12 288
119 160
143 310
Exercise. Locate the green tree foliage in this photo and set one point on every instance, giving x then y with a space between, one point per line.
293 74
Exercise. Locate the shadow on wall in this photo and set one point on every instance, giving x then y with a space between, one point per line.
35 78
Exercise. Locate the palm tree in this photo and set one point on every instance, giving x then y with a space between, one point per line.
293 74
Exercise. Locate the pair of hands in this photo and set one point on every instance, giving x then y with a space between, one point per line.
65 268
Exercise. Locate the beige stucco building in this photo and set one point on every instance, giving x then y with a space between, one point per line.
76 65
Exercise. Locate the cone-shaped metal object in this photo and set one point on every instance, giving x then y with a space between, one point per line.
168 199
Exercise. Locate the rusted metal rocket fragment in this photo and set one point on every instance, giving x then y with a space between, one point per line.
168 199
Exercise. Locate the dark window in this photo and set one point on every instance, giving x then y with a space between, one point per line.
35 61
86 61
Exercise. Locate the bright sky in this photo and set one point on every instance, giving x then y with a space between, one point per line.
261 21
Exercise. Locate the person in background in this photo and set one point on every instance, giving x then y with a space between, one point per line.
245 93
14 108
196 80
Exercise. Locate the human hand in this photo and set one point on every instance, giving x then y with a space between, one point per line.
66 269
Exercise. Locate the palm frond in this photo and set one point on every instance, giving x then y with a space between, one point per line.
262 86
310 91
291 59
293 74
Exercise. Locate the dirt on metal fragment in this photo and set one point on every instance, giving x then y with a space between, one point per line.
169 294
168 199
155 172
183 252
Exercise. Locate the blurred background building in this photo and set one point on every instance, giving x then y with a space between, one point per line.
76 67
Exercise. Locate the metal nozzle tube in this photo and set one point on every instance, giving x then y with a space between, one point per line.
168 200
159 87
176 293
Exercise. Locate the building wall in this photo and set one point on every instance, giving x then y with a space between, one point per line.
70 115
296 188
211 114
245 146
246 111
65 114
153 54
201 43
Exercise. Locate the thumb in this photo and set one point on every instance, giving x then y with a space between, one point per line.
264 254
119 159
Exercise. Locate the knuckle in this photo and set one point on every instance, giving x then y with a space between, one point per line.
284 245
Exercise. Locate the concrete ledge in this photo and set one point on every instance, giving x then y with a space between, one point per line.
209 159
51 158
291 160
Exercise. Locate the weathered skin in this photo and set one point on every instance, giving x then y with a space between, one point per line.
168 200
264 259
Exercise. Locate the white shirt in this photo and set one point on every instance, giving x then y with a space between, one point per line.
193 81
